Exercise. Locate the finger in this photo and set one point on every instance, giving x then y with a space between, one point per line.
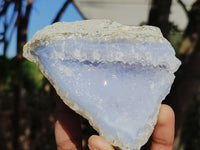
67 128
98 143
163 135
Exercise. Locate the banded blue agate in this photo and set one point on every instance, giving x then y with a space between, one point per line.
114 75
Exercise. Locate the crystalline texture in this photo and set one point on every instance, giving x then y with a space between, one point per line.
114 75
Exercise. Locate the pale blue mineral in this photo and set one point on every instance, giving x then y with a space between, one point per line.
115 76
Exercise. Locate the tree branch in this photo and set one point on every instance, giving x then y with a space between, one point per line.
22 28
28 10
4 8
4 36
61 11
184 7
82 15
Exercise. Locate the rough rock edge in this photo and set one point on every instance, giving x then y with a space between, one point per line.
98 29
93 30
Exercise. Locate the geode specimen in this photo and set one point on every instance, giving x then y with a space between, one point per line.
114 75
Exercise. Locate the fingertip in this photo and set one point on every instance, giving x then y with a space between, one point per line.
163 135
98 143
166 115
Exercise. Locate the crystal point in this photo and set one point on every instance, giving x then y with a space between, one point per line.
113 75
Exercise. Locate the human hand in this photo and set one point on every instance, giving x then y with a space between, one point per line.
68 131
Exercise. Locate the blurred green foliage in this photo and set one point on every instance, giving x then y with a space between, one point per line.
175 39
37 106
32 73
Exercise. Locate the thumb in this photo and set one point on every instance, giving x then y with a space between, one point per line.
98 143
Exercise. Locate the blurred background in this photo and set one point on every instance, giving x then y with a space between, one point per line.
27 100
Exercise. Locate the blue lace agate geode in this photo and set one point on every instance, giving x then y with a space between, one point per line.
114 75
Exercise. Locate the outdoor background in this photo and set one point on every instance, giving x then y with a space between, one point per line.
27 100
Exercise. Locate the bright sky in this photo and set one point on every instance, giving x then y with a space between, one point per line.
42 14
